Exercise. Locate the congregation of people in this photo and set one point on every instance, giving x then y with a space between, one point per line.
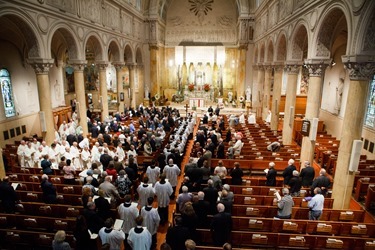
107 166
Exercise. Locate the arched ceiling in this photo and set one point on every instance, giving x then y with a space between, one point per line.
160 8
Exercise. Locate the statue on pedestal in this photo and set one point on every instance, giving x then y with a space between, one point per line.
248 93
230 96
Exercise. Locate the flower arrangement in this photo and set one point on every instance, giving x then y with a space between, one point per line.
206 87
241 99
191 87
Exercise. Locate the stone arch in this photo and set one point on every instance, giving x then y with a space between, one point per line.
269 52
63 42
21 31
128 54
365 32
334 23
299 44
94 48
281 47
114 54
138 56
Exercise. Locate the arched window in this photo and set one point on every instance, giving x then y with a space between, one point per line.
7 93
370 114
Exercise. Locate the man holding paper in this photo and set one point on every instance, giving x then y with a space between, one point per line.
284 205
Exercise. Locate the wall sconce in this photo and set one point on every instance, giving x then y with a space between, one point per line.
333 63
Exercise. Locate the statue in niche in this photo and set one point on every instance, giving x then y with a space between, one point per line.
230 96
146 92
339 92
152 31
248 93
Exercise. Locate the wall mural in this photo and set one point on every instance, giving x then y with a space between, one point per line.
200 8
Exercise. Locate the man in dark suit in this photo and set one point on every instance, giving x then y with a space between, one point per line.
288 172
105 159
322 182
177 235
221 226
220 149
307 175
201 208
210 195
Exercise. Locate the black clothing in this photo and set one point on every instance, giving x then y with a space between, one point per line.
288 173
236 175
321 182
210 195
49 192
103 207
295 185
105 159
176 237
271 177
307 175
94 221
220 151
46 166
8 197
201 208
221 227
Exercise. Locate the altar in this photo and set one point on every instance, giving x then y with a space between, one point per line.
196 102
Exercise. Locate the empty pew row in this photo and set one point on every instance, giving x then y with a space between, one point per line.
300 213
34 196
290 241
40 223
340 228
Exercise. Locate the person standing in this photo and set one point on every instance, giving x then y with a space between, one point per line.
285 205
316 205
221 226
49 191
288 172
163 191
128 213
237 174
139 237
111 236
295 184
271 175
171 172
322 182
307 174
153 173
8 196
151 220
145 190
177 235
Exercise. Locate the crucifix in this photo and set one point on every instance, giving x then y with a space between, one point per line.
186 108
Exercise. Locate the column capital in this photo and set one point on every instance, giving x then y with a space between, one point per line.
40 65
102 65
359 69
131 66
292 68
278 66
267 67
78 65
316 67
153 46
119 65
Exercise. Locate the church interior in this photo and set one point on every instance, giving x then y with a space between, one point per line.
305 70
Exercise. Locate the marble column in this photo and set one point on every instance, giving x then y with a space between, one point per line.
102 66
120 87
154 71
257 92
42 67
132 72
290 101
276 96
267 91
316 71
240 88
355 111
79 85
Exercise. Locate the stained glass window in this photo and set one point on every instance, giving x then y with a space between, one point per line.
370 114
7 93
